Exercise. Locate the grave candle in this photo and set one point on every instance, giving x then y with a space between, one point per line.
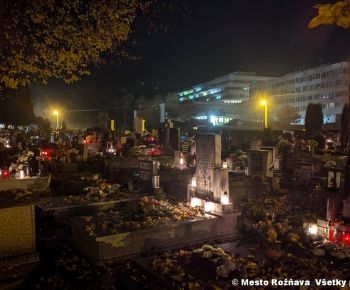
209 206
313 229
21 174
224 165
225 198
155 181
194 182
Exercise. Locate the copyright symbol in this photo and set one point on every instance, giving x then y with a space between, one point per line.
235 282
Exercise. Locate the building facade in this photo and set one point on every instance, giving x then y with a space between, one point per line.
326 84
218 101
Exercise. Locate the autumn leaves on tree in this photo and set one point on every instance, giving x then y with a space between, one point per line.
40 40
328 14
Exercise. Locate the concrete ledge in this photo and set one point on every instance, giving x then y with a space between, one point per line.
17 230
31 183
174 235
60 167
62 211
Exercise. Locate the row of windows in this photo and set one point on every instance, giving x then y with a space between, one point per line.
329 105
300 108
232 81
235 96
329 95
324 106
242 88
317 86
309 78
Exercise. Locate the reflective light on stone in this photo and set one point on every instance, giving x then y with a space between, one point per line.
196 202
209 206
225 199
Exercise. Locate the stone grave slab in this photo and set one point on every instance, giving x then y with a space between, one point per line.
173 234
61 209
346 208
148 168
260 162
116 164
208 151
211 179
30 183
60 167
17 230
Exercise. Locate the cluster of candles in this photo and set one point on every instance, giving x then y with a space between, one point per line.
209 206
333 235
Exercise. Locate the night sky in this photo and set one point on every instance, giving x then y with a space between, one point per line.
215 37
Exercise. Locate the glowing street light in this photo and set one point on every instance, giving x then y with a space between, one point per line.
56 114
264 103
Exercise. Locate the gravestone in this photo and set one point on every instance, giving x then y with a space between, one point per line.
255 144
346 208
208 147
273 149
177 156
174 138
17 230
210 177
305 171
148 169
83 151
260 163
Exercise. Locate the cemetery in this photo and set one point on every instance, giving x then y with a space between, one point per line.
178 221
182 224
174 145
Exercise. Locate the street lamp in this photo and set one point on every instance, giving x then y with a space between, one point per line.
264 103
56 114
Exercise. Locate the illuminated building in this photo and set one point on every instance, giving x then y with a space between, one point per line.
325 84
220 100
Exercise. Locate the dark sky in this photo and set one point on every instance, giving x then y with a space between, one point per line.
214 38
